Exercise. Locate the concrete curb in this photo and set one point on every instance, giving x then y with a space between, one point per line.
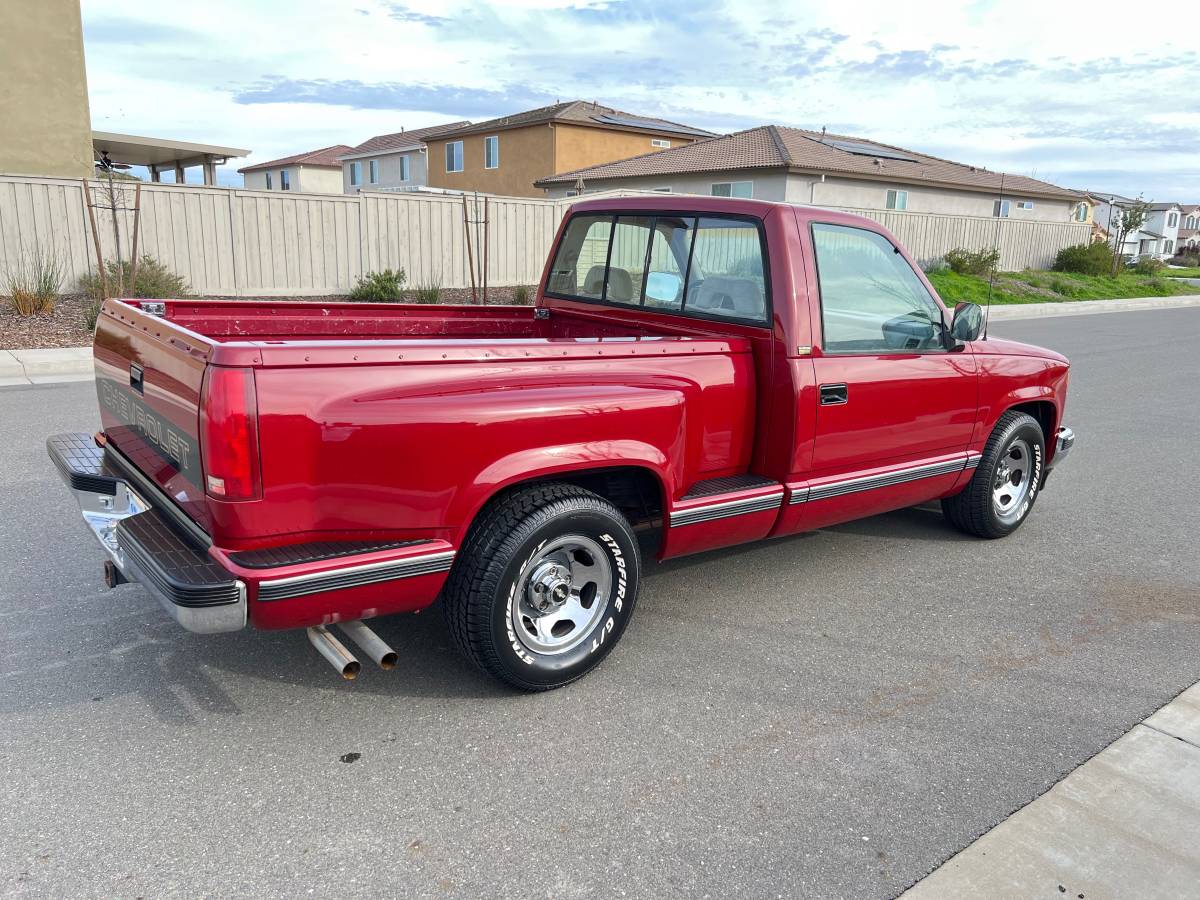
45 366
1123 824
75 363
1089 307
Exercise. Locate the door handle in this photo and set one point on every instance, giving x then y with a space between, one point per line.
834 394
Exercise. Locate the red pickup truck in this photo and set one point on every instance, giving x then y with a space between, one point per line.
696 372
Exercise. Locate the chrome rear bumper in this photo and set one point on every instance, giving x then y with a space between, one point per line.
139 541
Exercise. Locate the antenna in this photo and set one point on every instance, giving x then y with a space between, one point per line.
987 312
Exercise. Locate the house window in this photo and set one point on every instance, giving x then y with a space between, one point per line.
373 171
1024 204
491 152
355 173
285 180
1172 221
1081 211
661 190
1191 221
659 142
572 194
268 181
404 168
454 156
1168 246
897 199
1000 209
743 189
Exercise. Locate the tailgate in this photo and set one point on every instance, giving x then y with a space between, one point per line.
149 374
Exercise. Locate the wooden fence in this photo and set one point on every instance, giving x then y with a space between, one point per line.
232 242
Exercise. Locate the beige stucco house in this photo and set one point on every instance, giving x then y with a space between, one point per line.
315 172
43 90
793 165
507 155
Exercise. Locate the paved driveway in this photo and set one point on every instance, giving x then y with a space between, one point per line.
832 714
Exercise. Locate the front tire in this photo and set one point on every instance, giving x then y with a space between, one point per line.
1001 493
543 586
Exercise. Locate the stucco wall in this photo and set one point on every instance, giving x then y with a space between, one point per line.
767 184
318 180
576 146
526 154
43 90
389 172
869 194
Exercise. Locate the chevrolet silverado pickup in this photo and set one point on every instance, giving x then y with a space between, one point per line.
695 373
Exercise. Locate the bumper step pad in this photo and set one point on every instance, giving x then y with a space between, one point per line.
182 573
81 463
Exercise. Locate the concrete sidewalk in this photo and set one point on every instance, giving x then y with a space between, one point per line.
45 366
1124 824
1088 307
75 363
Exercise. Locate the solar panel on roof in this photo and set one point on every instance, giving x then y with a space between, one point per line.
860 149
631 122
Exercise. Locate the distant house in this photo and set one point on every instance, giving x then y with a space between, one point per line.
507 155
790 164
390 162
1189 228
1158 236
315 172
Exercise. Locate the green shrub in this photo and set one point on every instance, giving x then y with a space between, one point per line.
1148 265
379 287
1085 259
522 295
427 293
154 281
34 282
973 262
1061 286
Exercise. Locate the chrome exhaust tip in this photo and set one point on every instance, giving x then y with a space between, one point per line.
370 643
334 651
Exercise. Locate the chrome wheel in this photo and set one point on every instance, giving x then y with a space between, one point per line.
1012 480
561 593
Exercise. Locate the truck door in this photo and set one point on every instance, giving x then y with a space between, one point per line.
895 408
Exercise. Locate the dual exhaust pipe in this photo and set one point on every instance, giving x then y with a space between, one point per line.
338 656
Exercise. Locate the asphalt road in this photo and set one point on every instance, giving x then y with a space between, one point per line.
828 715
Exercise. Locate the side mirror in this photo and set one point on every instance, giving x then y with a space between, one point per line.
967 322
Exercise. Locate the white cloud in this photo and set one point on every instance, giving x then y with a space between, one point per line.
1021 85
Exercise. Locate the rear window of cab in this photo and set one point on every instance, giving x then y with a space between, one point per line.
697 265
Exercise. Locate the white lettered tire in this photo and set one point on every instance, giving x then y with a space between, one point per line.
543 586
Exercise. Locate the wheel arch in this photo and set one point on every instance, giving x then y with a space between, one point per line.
638 488
1046 413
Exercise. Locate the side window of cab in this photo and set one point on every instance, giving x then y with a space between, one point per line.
871 299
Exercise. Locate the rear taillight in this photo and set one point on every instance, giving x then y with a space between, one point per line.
229 434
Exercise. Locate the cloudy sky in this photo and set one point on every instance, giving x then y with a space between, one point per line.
1062 91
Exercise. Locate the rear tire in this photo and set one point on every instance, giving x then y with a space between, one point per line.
1001 493
543 586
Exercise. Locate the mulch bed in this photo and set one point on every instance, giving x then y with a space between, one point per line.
62 327
65 325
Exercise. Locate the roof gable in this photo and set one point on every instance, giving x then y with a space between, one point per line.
400 139
581 112
326 156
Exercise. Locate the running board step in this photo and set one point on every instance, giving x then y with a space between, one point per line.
721 498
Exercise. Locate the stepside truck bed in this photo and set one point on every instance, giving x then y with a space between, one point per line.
320 461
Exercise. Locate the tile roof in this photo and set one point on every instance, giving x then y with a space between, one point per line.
772 146
1158 207
414 138
326 156
583 112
